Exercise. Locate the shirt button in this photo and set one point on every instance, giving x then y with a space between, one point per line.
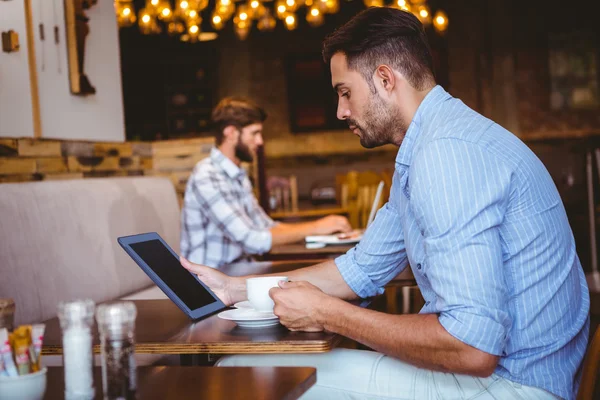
427 303
418 266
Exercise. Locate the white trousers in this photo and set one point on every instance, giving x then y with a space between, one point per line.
367 375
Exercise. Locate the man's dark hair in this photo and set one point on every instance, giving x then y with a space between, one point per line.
383 35
235 111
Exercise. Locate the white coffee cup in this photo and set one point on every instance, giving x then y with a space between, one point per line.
258 291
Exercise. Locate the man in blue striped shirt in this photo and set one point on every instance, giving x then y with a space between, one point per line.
478 219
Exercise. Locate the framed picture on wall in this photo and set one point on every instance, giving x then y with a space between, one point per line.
312 101
77 30
573 62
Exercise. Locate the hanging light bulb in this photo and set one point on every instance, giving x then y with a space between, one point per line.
243 13
291 5
166 14
281 9
155 7
242 28
291 22
147 23
314 17
267 22
332 6
256 9
197 20
182 9
200 5
217 21
440 21
125 13
175 28
423 14
225 8
401 5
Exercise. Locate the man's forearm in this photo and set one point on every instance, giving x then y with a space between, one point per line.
325 276
291 233
418 339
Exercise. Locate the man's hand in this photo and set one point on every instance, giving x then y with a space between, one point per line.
297 305
226 288
331 224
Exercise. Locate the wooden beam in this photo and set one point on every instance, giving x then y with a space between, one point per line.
36 148
33 78
173 163
78 149
113 149
71 34
182 147
20 178
8 147
51 165
322 144
9 166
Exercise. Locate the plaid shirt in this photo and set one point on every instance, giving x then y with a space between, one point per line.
221 220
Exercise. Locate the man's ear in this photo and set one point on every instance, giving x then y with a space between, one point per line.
231 133
384 78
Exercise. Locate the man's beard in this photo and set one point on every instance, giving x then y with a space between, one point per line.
380 125
243 152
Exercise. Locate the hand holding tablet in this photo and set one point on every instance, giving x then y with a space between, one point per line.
161 264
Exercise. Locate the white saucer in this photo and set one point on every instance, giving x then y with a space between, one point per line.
243 304
248 318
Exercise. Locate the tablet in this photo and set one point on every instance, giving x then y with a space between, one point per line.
162 265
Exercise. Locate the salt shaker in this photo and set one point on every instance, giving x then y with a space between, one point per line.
116 324
7 314
76 321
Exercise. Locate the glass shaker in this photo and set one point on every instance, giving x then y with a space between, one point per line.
116 323
7 314
76 321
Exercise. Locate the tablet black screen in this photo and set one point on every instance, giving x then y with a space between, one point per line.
168 268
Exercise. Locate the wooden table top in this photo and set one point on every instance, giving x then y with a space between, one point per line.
296 251
312 212
211 383
162 328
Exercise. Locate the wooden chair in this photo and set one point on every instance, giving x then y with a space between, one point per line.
591 365
356 191
285 190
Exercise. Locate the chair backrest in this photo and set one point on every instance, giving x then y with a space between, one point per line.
590 369
357 191
285 191
58 239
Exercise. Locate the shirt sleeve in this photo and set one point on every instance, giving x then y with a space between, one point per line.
379 256
229 217
459 197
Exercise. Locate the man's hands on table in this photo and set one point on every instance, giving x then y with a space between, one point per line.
298 305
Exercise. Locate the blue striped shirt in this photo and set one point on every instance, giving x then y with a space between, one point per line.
478 218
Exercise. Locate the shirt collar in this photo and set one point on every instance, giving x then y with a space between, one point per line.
228 166
433 99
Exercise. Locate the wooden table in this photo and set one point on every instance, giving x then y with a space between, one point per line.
298 251
226 383
315 212
162 328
